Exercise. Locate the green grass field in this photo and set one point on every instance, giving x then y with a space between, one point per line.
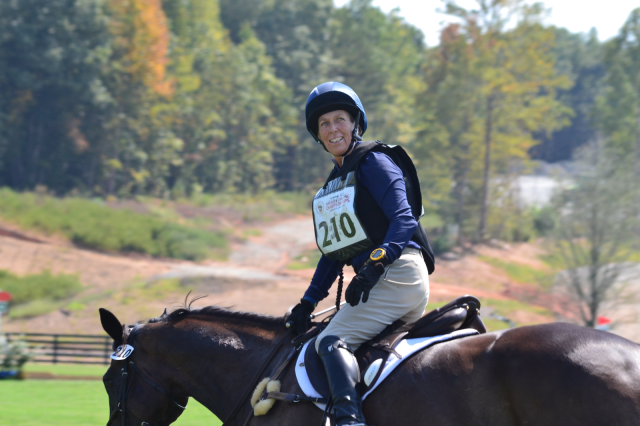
71 403
66 369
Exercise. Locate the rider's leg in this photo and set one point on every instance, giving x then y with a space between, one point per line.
342 374
401 293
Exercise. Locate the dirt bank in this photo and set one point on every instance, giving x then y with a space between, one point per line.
255 278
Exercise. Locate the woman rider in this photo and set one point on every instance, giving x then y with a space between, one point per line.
363 218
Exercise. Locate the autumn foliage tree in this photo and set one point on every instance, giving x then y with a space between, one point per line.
174 97
136 79
496 87
141 31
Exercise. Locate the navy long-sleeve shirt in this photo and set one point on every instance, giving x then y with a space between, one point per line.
383 179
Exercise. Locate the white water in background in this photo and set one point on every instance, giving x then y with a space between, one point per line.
537 189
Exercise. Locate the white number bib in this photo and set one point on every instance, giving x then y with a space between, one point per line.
339 234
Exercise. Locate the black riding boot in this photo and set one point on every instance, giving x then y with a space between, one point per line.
343 374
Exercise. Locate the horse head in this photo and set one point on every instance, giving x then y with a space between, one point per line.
212 354
140 392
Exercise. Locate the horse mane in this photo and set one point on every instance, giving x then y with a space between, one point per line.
178 313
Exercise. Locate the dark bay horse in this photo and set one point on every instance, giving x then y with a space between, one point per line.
552 374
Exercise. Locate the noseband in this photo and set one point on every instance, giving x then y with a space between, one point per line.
124 392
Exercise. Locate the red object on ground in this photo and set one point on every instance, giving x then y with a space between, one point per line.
603 321
4 296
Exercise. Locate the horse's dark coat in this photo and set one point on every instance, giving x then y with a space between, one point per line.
554 374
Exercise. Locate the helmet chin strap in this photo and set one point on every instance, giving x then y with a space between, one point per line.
355 137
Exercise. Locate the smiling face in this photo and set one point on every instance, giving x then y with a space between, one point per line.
335 129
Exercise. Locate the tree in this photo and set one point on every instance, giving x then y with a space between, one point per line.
136 148
593 233
377 54
619 108
230 112
296 35
447 106
512 85
386 70
579 57
51 58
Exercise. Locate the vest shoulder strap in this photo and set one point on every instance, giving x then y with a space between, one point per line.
400 157
352 161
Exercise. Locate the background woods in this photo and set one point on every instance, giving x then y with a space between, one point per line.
171 98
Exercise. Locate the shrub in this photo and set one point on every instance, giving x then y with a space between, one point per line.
307 260
38 294
91 224
440 236
544 220
35 308
15 354
521 273
441 244
39 286
258 206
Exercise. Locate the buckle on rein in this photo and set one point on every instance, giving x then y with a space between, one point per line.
268 392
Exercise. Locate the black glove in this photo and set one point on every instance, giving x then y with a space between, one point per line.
363 282
300 316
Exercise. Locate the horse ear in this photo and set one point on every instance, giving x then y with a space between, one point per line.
111 325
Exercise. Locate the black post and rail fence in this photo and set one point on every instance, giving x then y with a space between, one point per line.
67 348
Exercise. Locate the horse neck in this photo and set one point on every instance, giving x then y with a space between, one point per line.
220 358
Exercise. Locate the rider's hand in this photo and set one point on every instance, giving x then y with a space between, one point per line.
363 282
300 316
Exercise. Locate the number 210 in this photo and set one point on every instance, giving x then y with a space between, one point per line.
344 217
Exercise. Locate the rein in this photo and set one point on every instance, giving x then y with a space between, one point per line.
153 385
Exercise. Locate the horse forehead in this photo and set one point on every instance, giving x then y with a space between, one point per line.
129 333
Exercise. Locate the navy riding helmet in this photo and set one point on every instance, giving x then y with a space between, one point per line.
329 97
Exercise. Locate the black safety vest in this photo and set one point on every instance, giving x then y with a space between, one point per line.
369 213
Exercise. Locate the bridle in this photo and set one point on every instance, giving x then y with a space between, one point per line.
121 408
122 403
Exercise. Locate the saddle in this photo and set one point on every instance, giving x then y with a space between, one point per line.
460 314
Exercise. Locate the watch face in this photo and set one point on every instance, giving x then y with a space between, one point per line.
377 254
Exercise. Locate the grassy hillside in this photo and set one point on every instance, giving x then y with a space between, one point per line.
93 224
38 294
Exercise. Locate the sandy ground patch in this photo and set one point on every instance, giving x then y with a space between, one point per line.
254 278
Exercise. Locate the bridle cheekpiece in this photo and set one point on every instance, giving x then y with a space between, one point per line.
121 408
